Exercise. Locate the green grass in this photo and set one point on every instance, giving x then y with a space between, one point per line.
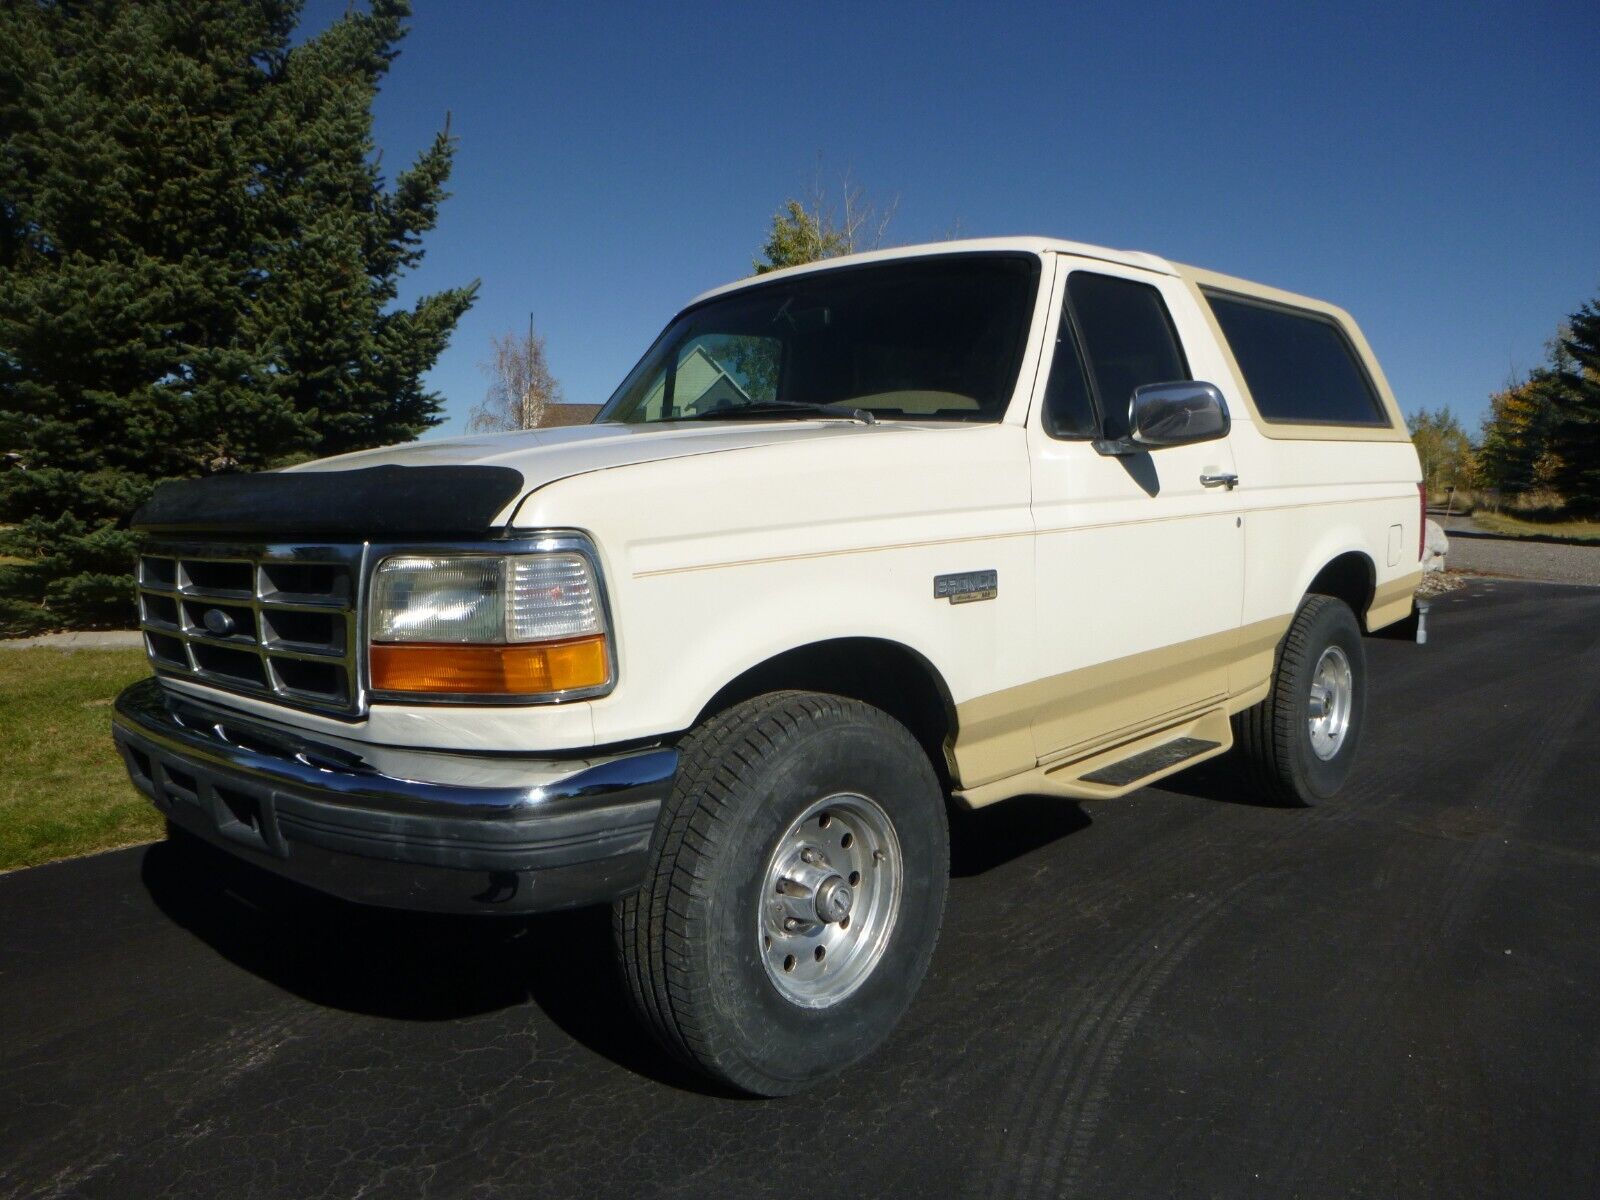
1510 526
63 790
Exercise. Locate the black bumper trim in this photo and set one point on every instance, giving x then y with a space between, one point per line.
321 815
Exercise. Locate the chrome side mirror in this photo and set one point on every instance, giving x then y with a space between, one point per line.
1171 414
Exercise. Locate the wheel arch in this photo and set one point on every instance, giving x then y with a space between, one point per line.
1351 576
884 673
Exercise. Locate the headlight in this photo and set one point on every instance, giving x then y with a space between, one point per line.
524 625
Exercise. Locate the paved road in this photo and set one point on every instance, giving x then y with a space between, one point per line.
1475 549
1174 994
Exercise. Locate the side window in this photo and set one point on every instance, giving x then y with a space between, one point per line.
1299 365
1068 411
1128 340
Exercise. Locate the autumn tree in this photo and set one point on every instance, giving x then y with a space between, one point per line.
1519 448
1444 448
521 385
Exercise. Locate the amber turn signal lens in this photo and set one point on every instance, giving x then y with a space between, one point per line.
500 670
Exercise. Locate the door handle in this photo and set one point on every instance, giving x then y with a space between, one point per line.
1228 480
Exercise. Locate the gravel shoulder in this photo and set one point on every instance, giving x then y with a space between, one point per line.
1475 549
97 639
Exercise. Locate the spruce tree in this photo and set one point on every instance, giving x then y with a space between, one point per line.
1577 425
198 268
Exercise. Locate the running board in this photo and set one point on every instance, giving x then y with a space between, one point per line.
1149 762
1112 771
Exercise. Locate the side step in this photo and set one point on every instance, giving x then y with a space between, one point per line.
1116 770
1148 762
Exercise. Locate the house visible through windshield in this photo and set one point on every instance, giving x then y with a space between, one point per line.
701 384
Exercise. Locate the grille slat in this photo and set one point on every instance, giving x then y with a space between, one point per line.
299 602
303 653
272 621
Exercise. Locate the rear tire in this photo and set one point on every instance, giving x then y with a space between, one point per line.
1299 744
734 949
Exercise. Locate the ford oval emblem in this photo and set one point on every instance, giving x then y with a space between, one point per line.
217 622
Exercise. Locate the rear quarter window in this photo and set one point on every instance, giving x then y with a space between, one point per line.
1299 366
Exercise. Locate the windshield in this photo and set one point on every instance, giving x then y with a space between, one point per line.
927 339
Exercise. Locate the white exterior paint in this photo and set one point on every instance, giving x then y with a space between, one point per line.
726 544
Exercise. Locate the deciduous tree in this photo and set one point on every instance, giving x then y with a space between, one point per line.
1444 448
1517 448
521 385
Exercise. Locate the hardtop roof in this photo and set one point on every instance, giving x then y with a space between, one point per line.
1038 245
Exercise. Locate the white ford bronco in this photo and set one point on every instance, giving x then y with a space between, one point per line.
853 542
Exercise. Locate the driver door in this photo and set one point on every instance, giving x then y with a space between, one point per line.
1140 564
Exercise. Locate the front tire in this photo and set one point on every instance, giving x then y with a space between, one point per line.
795 891
1299 744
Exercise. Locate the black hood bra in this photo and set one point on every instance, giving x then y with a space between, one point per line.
382 503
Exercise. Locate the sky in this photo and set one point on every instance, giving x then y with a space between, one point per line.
1434 169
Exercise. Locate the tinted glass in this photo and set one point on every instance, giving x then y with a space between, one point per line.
1068 411
938 338
1127 338
1298 365
714 373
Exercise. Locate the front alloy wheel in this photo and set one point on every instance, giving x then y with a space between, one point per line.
795 890
832 896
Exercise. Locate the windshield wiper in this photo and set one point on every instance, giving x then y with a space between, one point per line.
780 408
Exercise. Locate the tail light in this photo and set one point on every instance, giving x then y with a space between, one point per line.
1422 520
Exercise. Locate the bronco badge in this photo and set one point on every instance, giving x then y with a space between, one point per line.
967 586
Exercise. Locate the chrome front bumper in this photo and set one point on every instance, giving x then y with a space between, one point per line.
440 832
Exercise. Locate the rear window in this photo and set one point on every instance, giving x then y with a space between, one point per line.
1299 366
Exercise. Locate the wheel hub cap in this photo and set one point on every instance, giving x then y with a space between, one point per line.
833 901
831 895
1332 698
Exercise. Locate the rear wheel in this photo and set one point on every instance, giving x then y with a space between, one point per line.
795 892
1300 742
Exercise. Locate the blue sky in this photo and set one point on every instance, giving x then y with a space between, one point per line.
1435 169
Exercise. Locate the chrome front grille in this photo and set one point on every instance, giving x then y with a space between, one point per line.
279 622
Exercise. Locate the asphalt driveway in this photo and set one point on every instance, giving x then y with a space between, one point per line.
1174 994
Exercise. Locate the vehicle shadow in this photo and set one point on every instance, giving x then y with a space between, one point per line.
985 838
1222 779
408 966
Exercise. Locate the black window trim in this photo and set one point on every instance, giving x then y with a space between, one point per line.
781 277
1069 312
1383 419
1068 322
778 278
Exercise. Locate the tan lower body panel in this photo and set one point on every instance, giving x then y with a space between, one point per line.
1103 709
1107 705
1392 601
1069 778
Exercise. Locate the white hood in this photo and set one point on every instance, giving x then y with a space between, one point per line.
546 455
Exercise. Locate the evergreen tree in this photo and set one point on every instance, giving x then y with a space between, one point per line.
1518 445
1577 422
820 227
198 268
800 235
